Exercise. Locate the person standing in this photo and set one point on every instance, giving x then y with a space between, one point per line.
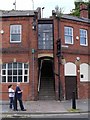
18 93
11 96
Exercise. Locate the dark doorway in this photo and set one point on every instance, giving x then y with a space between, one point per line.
46 91
70 86
47 69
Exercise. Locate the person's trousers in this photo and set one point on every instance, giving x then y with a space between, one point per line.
15 103
11 102
21 103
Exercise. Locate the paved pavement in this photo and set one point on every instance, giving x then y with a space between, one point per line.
51 106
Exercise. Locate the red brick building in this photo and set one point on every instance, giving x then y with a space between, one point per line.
29 54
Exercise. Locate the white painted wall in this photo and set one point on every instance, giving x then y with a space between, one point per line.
85 71
70 69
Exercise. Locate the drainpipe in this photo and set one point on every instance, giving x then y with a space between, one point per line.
59 60
33 51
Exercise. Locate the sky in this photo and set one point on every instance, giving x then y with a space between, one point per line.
48 5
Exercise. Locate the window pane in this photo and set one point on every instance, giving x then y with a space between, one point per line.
3 78
83 37
9 65
15 37
19 78
26 72
3 72
83 41
14 65
25 65
19 65
4 66
45 36
14 72
25 78
15 29
14 78
9 72
68 39
68 33
19 72
9 79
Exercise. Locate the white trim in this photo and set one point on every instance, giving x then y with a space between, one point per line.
17 32
17 73
72 40
86 38
84 45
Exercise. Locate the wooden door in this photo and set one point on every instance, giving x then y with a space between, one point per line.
70 86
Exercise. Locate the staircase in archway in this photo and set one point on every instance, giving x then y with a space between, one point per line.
46 91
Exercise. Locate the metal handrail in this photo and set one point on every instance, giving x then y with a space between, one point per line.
39 76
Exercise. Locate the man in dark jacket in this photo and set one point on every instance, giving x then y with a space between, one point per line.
18 93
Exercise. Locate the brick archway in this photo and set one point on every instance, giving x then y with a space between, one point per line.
46 79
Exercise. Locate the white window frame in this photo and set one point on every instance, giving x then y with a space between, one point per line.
23 73
71 35
85 37
15 29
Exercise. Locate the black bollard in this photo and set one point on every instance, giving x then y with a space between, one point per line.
73 100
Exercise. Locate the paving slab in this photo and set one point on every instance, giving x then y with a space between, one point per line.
47 106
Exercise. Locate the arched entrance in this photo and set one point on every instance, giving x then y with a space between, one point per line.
46 79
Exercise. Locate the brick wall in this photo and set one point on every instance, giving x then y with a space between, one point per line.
71 53
23 53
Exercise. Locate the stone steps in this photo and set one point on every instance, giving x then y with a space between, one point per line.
47 89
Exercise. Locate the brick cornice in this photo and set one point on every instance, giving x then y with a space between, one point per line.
77 52
14 50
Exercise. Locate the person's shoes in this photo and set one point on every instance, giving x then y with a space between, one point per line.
15 109
23 110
